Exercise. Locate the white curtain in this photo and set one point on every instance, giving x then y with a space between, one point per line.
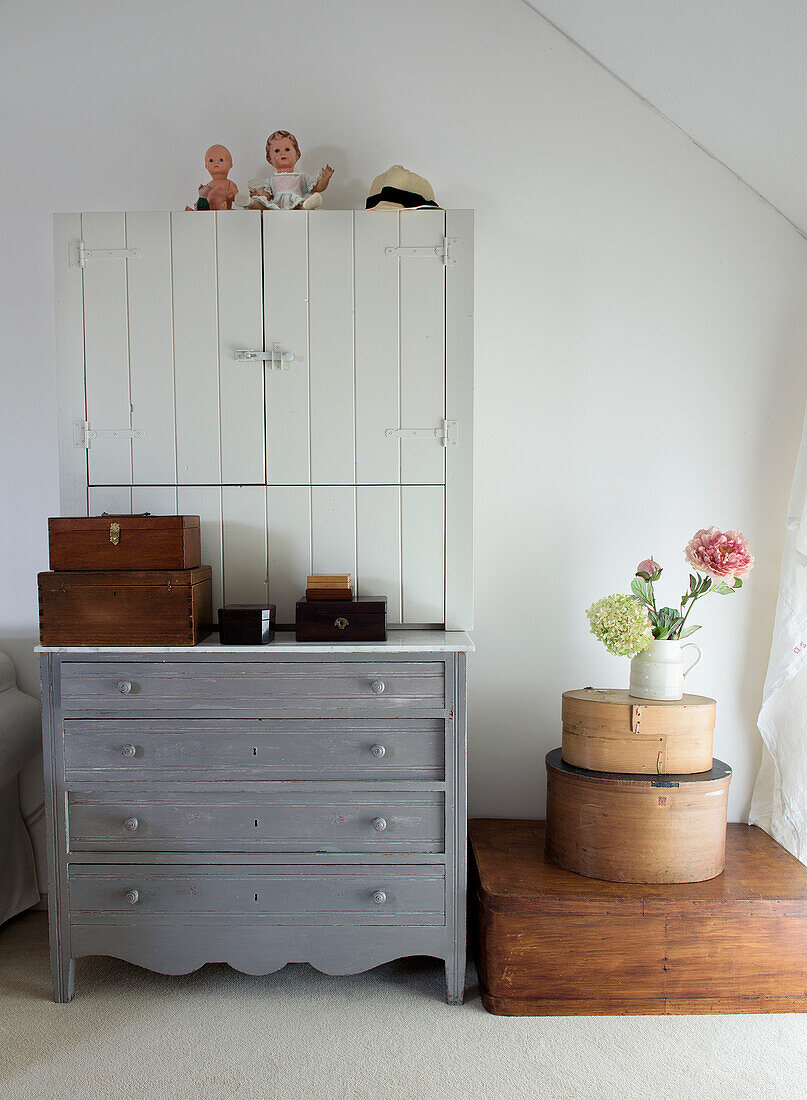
779 803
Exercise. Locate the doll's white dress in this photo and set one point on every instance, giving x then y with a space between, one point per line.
288 190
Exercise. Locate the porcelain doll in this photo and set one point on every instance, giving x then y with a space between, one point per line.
220 193
287 189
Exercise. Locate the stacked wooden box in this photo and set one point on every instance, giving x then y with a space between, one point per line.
125 580
634 794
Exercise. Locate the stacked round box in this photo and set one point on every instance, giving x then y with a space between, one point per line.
634 794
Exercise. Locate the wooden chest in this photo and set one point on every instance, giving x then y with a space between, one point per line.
342 621
610 731
125 542
247 623
631 828
154 607
554 943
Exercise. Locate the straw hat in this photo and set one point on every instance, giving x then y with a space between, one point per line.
399 189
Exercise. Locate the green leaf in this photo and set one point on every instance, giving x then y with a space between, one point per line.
722 588
643 575
641 590
689 630
737 582
693 582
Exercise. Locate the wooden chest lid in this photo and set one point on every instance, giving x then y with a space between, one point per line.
60 525
122 578
326 609
613 710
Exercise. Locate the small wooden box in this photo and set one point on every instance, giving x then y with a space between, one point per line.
636 828
342 620
124 542
611 731
155 607
247 623
552 943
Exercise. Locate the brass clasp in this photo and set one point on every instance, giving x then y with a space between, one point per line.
114 533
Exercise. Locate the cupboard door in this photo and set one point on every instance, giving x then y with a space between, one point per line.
285 289
106 349
422 325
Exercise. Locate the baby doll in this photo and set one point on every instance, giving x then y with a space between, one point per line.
287 189
220 193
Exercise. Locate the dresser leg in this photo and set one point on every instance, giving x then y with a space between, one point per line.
455 977
64 977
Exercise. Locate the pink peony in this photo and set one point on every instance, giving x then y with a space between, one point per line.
722 554
648 566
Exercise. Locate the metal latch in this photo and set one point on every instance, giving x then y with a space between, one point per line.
114 533
446 250
82 254
277 358
446 433
89 434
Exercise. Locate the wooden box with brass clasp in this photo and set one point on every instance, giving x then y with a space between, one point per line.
124 542
342 620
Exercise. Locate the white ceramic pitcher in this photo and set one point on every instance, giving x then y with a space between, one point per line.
658 672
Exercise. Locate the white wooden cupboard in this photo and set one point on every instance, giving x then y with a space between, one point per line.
302 381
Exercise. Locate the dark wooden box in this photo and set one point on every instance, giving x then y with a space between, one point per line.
247 623
342 620
157 607
124 542
553 943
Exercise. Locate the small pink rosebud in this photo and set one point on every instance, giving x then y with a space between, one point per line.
648 566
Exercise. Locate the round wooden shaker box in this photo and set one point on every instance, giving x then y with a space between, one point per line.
632 828
610 731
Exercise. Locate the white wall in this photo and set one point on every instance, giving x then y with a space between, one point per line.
640 321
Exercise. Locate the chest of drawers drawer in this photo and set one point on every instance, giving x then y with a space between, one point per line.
313 821
134 894
241 749
255 689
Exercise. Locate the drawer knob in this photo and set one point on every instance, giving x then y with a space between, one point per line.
378 750
378 686
128 751
379 824
125 687
130 824
379 897
132 897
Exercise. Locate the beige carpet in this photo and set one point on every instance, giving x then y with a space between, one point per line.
386 1034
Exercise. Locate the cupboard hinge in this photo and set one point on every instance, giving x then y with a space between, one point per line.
88 434
277 358
80 254
446 433
446 251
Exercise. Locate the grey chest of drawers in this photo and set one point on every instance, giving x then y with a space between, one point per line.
257 806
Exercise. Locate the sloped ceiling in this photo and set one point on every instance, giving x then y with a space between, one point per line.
731 73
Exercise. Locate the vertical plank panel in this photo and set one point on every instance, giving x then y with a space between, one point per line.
71 408
106 349
333 529
459 407
115 499
196 348
422 347
159 500
285 260
378 546
243 509
205 501
330 321
289 513
422 553
151 353
241 395
377 344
